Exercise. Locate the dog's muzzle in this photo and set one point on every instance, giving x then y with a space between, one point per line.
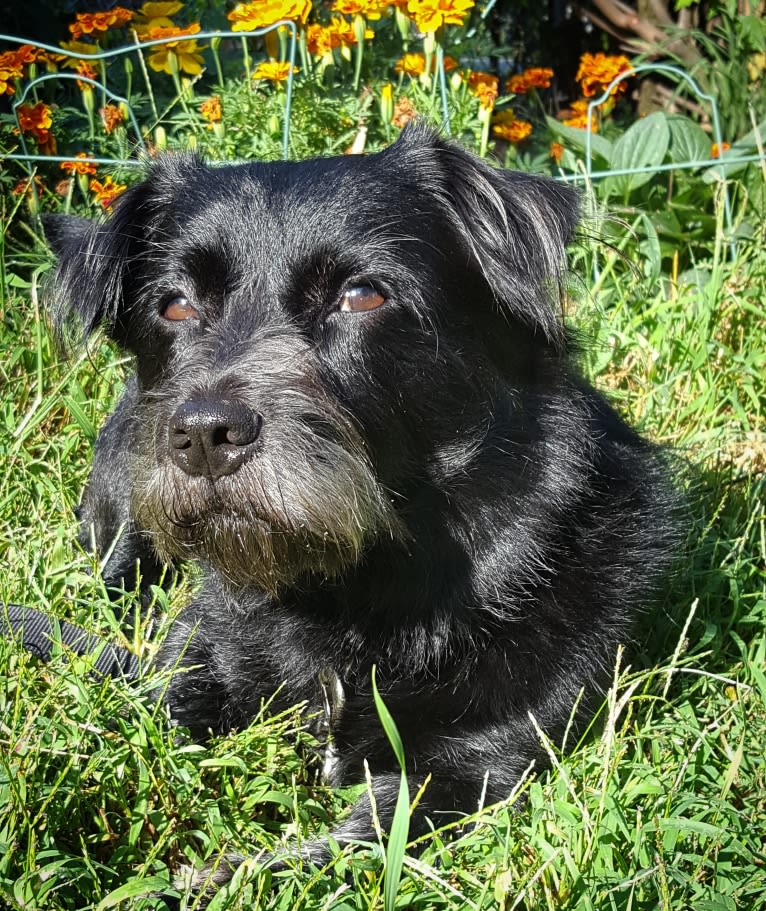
214 437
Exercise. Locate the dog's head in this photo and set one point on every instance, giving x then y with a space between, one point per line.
315 341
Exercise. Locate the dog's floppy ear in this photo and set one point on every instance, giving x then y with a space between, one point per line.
516 227
94 258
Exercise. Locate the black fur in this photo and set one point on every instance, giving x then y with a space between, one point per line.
428 486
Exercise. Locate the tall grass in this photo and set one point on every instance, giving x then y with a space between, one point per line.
663 804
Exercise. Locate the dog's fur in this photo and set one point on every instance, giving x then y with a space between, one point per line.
428 486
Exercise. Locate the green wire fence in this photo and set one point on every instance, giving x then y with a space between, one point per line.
719 167
136 48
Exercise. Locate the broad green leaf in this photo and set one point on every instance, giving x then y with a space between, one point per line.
643 145
688 141
600 146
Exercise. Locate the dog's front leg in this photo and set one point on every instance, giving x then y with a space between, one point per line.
370 817
107 527
221 674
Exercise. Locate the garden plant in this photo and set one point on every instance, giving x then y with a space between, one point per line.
662 805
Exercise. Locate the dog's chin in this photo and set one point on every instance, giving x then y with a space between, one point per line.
256 534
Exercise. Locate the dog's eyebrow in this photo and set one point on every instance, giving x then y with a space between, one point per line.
208 266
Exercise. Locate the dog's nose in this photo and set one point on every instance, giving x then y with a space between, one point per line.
212 438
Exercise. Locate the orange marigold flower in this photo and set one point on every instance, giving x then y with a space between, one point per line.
507 126
111 116
28 185
369 9
83 165
12 65
556 151
28 53
535 77
36 120
485 86
430 15
9 72
598 70
97 23
85 69
322 39
105 193
247 17
404 112
273 71
578 111
211 109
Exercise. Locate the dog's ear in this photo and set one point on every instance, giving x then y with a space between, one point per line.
516 227
95 258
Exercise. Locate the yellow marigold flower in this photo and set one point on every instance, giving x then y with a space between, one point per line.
273 71
246 17
369 9
211 109
579 116
81 48
535 77
411 64
415 64
716 151
598 70
36 120
188 53
151 11
485 86
556 151
430 15
81 67
105 193
97 23
83 165
111 116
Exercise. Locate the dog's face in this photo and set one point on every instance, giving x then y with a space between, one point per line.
313 341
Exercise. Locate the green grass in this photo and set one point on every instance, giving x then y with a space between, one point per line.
663 805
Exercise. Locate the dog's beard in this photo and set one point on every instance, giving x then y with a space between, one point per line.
308 505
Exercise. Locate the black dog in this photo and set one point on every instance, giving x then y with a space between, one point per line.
355 406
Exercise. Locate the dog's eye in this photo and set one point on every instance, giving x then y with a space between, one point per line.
178 309
359 298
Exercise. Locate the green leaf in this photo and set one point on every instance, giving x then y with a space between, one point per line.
643 145
600 146
389 726
400 824
688 141
136 888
